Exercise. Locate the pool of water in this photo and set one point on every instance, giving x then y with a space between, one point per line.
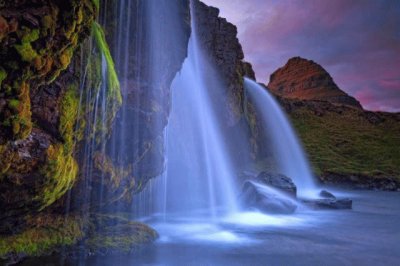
367 235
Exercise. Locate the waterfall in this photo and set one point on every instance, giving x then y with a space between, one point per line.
200 175
285 146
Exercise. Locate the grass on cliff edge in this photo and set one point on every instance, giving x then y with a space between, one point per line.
347 143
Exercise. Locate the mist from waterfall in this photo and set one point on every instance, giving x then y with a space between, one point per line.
285 146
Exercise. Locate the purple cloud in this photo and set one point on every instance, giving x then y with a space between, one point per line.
357 42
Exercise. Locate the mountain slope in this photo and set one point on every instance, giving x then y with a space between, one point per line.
304 79
345 144
348 145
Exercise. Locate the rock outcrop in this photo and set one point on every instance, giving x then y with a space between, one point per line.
38 103
279 182
49 90
219 40
148 55
306 80
265 199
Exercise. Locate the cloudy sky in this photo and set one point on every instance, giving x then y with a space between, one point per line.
357 41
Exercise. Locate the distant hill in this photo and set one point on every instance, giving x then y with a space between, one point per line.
345 144
348 145
306 80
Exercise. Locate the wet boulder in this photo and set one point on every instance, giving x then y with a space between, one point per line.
265 199
329 201
278 181
336 204
326 195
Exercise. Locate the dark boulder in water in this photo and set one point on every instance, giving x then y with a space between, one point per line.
326 195
278 181
265 199
330 203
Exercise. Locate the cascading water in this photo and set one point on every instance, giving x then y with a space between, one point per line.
198 189
286 147
199 168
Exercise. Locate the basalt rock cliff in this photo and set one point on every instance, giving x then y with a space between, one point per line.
219 39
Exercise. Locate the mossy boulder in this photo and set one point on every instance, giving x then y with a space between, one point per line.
113 234
42 236
38 170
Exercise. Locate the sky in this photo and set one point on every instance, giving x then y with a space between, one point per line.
357 41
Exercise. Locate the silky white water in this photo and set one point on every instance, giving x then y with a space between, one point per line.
199 173
285 146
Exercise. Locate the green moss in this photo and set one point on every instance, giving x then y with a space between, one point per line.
30 36
116 174
70 30
61 168
69 112
3 76
114 93
20 121
65 58
114 98
26 51
47 22
115 234
96 4
43 52
43 238
13 104
60 173
5 160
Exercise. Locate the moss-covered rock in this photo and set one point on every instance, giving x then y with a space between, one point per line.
115 234
37 115
43 235
114 98
35 46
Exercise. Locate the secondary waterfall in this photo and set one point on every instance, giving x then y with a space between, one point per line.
285 145
199 168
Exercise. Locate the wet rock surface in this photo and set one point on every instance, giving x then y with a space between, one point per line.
328 200
278 181
329 203
37 43
219 39
326 194
265 200
148 52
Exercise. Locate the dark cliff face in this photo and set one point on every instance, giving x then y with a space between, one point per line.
42 129
219 39
42 145
148 41
306 80
37 103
